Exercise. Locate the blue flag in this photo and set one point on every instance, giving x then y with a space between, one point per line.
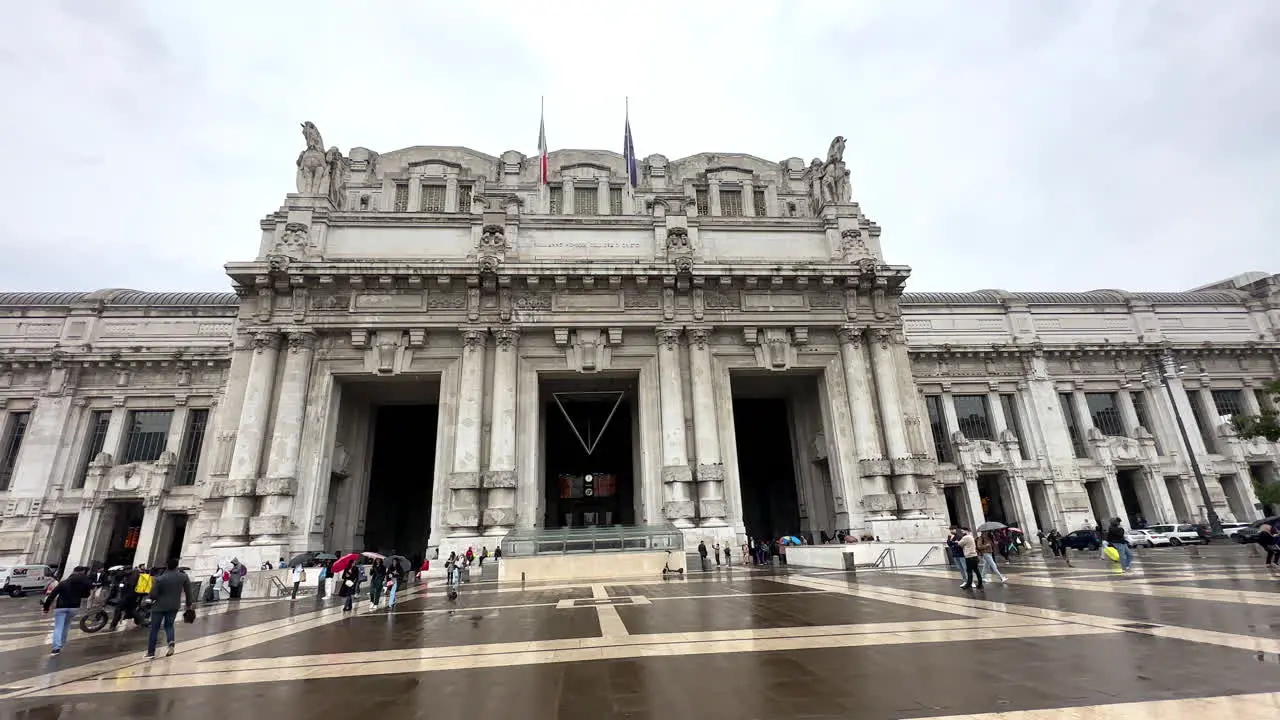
629 154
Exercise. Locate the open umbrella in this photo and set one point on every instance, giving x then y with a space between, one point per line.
373 555
399 561
341 563
326 556
790 540
302 558
990 525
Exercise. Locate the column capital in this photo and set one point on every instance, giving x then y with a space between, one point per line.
699 336
473 338
301 339
505 336
668 337
262 340
850 335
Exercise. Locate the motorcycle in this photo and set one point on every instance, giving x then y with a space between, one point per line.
97 618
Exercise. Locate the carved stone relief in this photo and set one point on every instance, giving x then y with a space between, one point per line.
679 249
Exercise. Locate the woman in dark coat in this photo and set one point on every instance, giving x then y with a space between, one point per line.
349 585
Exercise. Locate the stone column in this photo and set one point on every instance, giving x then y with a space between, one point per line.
1128 414
500 479
451 195
147 533
713 197
463 516
873 468
678 505
602 196
1210 412
238 489
891 423
706 431
566 197
749 199
279 485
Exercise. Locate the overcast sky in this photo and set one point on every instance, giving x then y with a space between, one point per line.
1020 145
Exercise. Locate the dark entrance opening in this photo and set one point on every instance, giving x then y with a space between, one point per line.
177 533
955 505
398 511
588 464
766 473
124 534
993 501
1129 494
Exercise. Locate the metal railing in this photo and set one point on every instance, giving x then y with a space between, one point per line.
608 538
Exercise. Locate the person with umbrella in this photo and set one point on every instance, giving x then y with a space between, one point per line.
397 569
377 577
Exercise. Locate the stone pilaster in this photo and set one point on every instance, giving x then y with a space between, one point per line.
463 515
911 502
873 468
278 487
678 504
238 489
706 431
500 480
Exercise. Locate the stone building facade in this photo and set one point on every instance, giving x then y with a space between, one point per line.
138 425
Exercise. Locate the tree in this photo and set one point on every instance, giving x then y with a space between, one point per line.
1268 493
1267 424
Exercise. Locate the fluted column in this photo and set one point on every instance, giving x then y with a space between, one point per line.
678 505
873 468
500 479
277 488
892 415
246 458
463 516
706 431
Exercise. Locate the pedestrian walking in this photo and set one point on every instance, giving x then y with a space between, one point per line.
167 593
377 578
957 557
727 560
717 549
986 547
298 576
349 586
235 579
969 550
323 572
65 599
1117 540
702 553
1267 540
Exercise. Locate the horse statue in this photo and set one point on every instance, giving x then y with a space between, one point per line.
313 166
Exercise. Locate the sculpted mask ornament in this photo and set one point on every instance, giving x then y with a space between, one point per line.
853 246
505 338
668 338
679 249
264 340
473 339
493 248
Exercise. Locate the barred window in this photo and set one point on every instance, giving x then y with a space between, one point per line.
402 198
557 199
941 447
585 201
464 198
700 199
615 201
432 198
1228 402
1105 414
1205 427
99 421
972 417
761 207
731 203
1009 404
148 431
10 443
1073 425
1143 415
192 441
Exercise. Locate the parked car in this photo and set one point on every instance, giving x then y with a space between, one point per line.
1178 533
1250 534
1145 538
1081 540
18 580
1230 529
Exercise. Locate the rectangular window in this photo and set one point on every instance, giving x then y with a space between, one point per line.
464 198
432 199
615 201
973 418
700 199
98 423
731 203
10 444
192 441
1144 416
1009 404
1228 402
1202 422
402 198
557 199
1073 426
585 200
148 432
1105 414
761 207
933 403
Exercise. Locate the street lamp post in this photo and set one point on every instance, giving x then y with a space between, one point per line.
1166 366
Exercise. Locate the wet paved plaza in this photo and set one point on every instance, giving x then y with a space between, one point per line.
1179 637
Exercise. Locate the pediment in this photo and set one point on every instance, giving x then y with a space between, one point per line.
437 160
725 166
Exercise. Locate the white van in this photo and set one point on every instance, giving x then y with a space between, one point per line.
17 580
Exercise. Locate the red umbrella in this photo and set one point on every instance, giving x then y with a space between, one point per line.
341 563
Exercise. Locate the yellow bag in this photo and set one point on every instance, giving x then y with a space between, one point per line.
1112 554
144 584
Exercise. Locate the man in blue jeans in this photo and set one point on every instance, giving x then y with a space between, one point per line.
167 592
67 596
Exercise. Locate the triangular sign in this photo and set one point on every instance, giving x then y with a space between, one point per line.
588 442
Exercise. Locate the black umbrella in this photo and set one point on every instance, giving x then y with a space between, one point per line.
302 559
400 561
326 556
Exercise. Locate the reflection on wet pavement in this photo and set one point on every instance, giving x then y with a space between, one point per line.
1182 636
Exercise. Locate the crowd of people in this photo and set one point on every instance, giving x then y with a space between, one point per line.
123 588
